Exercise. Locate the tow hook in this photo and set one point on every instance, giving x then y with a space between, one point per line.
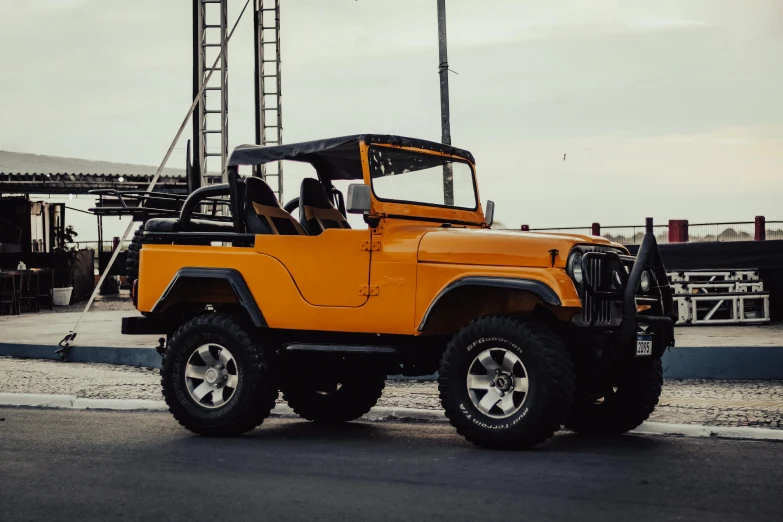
161 348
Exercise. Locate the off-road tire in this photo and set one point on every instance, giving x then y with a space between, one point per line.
638 390
133 255
255 394
359 392
550 377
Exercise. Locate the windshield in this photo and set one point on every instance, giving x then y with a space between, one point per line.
410 177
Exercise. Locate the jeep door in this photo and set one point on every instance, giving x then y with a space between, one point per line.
330 269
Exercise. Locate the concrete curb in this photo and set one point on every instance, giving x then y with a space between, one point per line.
696 430
143 357
724 362
377 414
72 402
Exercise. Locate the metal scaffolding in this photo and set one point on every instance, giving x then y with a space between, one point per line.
269 116
211 137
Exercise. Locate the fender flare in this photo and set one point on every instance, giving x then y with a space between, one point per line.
234 279
537 288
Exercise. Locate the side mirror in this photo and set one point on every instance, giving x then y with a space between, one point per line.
358 200
489 213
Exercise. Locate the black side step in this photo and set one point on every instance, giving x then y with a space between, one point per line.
338 348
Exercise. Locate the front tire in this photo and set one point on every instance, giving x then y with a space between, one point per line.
217 380
625 403
506 383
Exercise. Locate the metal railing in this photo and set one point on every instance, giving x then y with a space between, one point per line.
633 235
710 232
569 230
681 231
108 246
623 234
774 230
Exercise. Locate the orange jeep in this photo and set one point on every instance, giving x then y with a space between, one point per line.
528 332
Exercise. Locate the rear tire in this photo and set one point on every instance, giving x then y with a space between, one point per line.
335 399
622 407
133 255
217 380
525 365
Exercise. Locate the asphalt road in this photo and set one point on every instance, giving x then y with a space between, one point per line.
71 465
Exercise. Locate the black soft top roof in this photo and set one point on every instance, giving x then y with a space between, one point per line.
336 157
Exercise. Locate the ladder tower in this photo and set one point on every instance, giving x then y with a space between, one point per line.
269 116
211 136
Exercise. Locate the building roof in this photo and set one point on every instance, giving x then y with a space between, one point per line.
37 174
80 183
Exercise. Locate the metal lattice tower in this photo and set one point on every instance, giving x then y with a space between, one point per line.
212 117
269 117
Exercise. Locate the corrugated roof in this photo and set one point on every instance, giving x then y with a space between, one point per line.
22 173
82 183
22 162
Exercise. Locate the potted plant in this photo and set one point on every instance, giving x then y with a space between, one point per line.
65 254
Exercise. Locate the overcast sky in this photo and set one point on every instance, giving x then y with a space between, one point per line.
669 108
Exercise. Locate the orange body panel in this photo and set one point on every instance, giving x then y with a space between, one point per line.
497 248
301 285
379 280
277 294
329 269
433 278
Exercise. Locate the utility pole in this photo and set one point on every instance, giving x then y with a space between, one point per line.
443 71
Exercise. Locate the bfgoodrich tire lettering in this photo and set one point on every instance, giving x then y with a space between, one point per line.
549 388
254 377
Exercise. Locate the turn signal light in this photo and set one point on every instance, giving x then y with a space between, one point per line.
642 308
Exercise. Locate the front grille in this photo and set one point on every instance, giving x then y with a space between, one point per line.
595 311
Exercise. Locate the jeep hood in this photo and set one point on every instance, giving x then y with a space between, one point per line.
499 248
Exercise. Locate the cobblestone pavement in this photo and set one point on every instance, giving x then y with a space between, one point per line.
710 403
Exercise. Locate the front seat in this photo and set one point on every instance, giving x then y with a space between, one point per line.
263 213
316 211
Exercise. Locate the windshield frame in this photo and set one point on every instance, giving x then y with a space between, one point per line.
451 158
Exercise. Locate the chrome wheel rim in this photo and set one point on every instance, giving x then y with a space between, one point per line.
497 383
211 375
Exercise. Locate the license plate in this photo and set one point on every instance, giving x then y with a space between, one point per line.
643 345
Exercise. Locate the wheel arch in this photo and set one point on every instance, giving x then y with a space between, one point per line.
215 286
472 297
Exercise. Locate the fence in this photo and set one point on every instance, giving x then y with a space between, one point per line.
773 230
708 232
681 231
632 235
573 230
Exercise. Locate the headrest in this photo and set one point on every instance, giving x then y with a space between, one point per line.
313 194
259 192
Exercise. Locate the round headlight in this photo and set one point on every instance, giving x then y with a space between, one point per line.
644 284
576 268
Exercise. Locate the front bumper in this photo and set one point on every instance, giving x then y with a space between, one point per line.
613 302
